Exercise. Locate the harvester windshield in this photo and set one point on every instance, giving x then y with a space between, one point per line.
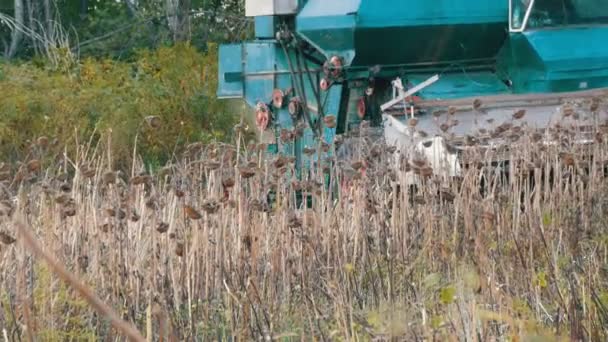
533 14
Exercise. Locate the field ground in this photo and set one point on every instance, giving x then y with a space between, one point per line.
193 250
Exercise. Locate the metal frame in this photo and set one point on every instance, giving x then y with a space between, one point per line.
516 100
403 95
524 24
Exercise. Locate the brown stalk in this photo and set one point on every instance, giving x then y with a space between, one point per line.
34 247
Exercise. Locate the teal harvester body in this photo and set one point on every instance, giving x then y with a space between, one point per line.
320 67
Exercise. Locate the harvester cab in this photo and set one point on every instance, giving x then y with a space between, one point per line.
430 76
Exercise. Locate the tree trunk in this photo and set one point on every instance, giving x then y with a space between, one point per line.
178 18
172 8
48 20
5 46
132 7
185 7
84 8
17 32
32 14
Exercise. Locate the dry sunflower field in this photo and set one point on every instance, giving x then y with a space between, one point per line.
196 250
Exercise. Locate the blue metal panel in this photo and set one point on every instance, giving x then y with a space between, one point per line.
259 70
329 26
570 48
332 107
461 84
392 13
407 32
259 57
324 8
557 59
265 26
230 71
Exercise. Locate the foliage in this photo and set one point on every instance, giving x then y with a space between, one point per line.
60 315
118 29
177 84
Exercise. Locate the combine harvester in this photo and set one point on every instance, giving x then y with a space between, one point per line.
419 72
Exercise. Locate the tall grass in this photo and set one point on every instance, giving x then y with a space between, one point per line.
196 251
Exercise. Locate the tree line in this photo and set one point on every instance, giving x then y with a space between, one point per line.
114 28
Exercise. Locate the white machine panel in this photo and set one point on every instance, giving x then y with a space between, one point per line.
255 8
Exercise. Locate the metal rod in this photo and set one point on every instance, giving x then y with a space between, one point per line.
410 92
437 66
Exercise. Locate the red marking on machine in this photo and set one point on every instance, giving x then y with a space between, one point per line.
324 84
361 108
413 99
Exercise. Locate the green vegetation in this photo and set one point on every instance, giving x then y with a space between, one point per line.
176 84
73 70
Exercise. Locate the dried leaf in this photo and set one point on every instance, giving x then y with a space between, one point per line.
162 227
519 114
192 213
6 239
